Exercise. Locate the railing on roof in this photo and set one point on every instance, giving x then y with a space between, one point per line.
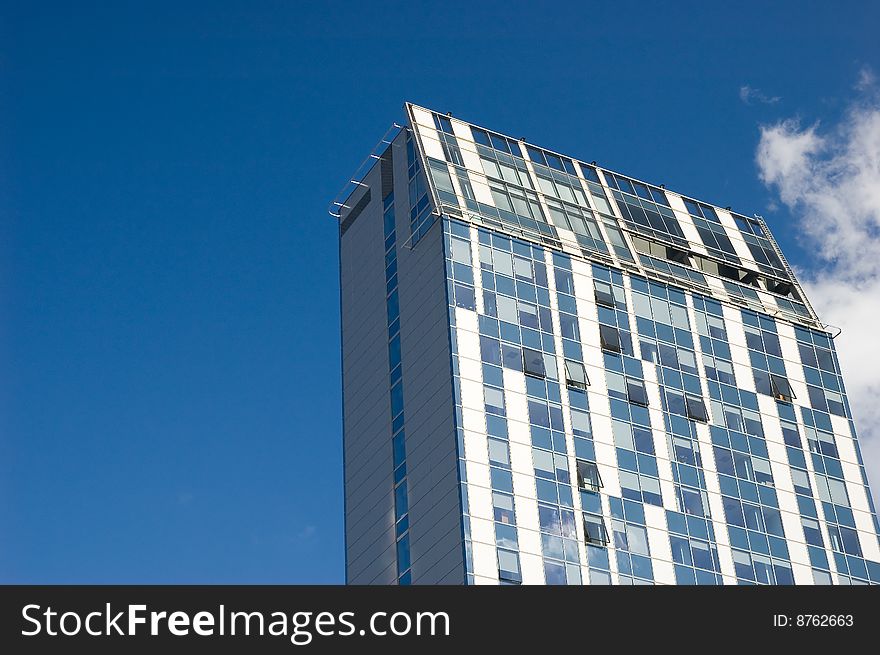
357 179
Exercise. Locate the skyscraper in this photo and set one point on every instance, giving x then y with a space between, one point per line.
558 374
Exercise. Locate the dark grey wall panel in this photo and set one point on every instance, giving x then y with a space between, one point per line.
432 463
369 519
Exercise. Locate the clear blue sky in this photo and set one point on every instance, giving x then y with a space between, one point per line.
169 346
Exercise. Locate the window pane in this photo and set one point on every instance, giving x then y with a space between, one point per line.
635 391
610 338
533 363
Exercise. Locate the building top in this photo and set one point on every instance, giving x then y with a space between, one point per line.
491 179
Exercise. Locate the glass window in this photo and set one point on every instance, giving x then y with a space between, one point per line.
503 506
481 137
637 539
610 338
781 388
494 400
604 293
533 363
568 326
635 391
594 530
465 297
575 374
440 175
588 475
696 408
461 250
550 369
508 566
499 452
507 309
564 281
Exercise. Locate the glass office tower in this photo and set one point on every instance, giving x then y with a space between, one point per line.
558 374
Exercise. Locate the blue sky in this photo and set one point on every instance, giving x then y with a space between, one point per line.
169 348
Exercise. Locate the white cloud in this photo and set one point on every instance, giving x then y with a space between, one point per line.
750 95
829 177
867 79
307 533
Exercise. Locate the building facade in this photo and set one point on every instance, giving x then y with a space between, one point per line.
557 374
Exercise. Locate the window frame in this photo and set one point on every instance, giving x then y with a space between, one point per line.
779 394
595 520
570 380
604 298
691 398
536 356
614 346
636 384
582 481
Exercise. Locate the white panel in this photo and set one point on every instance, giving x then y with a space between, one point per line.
517 405
480 502
472 394
745 378
606 458
524 484
515 383
667 490
527 520
843 438
772 428
431 143
685 220
766 405
475 447
716 286
483 580
733 322
664 573
652 388
596 363
867 536
470 369
781 471
787 499
532 569
485 562
725 559
735 236
478 474
472 419
797 550
583 269
717 509
656 415
423 117
602 428
664 465
482 530
658 539
471 158
481 189
478 278
462 131
858 499
583 289
803 574
521 462
467 320
529 541
518 432
690 231
788 344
